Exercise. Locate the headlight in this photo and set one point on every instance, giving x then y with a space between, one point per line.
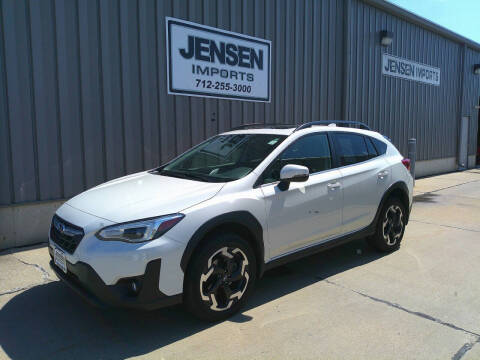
141 230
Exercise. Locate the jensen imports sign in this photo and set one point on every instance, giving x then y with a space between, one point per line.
407 69
209 62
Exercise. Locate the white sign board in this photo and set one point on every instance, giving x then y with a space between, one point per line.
209 62
407 69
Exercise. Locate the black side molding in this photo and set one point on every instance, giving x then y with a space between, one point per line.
241 218
401 187
367 231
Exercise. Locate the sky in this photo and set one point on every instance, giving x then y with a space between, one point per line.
460 16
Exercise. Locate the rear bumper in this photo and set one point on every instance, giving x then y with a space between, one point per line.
83 280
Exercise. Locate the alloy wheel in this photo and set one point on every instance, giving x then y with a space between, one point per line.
226 278
393 225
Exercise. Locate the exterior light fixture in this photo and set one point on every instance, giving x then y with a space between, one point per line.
386 38
476 69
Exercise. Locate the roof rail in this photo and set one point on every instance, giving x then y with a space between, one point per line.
342 123
262 125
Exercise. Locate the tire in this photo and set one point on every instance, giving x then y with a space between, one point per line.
220 277
390 226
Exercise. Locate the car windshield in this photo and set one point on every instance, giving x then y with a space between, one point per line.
223 158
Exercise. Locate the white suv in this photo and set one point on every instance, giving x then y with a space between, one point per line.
204 227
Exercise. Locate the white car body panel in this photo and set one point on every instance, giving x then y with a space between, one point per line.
363 186
142 195
306 213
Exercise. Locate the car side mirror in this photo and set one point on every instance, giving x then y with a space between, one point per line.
292 173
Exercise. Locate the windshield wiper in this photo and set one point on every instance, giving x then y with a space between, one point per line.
188 176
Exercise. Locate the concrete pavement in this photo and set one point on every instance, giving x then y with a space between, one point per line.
421 302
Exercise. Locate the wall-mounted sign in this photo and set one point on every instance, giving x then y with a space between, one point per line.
209 62
407 69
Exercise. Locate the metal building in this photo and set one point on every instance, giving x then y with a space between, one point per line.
83 89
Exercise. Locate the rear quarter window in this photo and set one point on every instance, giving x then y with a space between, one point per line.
372 152
380 146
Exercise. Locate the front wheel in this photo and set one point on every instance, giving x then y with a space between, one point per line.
390 226
220 277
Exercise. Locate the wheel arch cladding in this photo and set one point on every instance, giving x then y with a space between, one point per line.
240 222
397 190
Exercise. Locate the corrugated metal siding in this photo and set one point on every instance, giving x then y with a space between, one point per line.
402 109
472 98
83 95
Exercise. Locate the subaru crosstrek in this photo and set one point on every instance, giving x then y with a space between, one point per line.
204 227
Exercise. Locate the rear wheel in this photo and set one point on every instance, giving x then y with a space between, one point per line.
390 226
220 277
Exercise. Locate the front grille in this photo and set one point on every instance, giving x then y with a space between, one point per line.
65 235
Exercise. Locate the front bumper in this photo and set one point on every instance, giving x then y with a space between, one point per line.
83 279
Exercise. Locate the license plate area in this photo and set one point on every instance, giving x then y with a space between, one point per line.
60 260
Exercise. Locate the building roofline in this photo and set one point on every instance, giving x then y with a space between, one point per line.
422 22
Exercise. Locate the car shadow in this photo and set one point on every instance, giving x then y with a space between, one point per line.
426 198
50 321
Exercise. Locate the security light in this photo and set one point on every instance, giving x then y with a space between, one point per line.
386 37
476 69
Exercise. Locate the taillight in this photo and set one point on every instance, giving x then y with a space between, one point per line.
406 162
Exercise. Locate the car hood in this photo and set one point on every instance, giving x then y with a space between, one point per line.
143 195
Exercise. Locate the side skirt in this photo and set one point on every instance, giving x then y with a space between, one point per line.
367 231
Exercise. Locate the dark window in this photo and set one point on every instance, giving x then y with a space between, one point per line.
371 149
380 146
312 151
351 148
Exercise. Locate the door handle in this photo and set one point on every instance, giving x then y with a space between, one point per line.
382 174
333 185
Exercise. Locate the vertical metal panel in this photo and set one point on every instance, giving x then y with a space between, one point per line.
316 71
70 99
131 87
167 103
83 91
112 79
20 100
149 83
224 106
182 103
46 99
197 105
299 59
91 92
211 105
248 17
338 13
270 23
307 63
471 98
401 108
6 180
289 57
259 31
236 25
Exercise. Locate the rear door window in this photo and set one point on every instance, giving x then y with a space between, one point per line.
350 148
